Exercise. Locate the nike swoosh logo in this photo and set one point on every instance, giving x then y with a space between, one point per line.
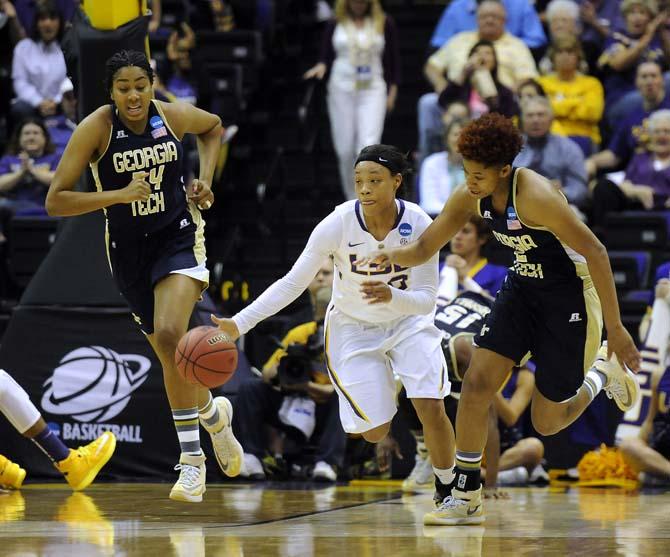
472 511
354 245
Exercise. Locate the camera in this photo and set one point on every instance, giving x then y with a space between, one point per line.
301 360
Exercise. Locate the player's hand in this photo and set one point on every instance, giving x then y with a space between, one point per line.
386 449
621 343
226 325
494 493
376 292
318 72
458 263
201 194
375 259
138 190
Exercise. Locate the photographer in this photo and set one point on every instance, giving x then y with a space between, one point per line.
295 396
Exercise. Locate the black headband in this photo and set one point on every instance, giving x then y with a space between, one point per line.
390 160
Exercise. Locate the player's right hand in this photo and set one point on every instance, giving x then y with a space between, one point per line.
226 325
621 343
138 189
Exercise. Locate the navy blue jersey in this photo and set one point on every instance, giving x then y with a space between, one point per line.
541 259
464 314
159 153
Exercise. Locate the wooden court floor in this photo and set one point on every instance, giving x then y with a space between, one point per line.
300 520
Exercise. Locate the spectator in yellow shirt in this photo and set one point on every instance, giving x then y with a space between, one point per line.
577 100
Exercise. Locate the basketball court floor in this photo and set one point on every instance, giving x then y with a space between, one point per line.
302 520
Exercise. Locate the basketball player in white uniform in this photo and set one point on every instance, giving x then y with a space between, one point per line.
380 320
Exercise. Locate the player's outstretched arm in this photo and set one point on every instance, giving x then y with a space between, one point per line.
539 204
84 146
323 242
455 213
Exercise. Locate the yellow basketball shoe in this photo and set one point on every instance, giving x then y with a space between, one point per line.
11 474
227 449
462 507
83 464
191 483
622 385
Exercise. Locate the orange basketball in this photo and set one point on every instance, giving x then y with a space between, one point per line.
205 356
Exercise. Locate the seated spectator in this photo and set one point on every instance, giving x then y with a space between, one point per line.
557 158
179 47
38 66
441 172
465 267
295 396
515 63
600 18
649 453
479 86
461 15
27 169
645 38
61 125
520 455
11 32
563 21
631 134
577 100
647 181
26 11
529 88
213 15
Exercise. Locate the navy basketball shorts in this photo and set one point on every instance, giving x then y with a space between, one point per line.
139 263
559 325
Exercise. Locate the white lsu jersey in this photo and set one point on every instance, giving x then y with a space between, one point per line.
344 236
356 242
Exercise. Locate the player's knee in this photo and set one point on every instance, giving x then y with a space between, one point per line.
545 425
429 410
375 435
167 336
477 384
533 451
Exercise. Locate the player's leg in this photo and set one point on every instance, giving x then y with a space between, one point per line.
421 477
366 399
643 458
572 366
174 299
418 360
80 466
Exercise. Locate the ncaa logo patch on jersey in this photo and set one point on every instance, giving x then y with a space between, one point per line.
405 229
159 129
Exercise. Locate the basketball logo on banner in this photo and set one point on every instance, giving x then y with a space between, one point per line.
94 383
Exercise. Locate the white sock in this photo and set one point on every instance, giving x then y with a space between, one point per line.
446 476
15 404
594 381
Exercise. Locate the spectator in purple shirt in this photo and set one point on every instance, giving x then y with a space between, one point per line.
28 168
647 181
360 50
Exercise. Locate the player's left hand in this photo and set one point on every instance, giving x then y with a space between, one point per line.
226 325
376 292
201 194
621 343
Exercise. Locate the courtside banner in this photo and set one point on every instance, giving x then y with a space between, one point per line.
89 370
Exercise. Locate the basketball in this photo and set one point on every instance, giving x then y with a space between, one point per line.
205 356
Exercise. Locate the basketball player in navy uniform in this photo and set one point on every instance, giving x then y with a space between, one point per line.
380 319
155 236
549 304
